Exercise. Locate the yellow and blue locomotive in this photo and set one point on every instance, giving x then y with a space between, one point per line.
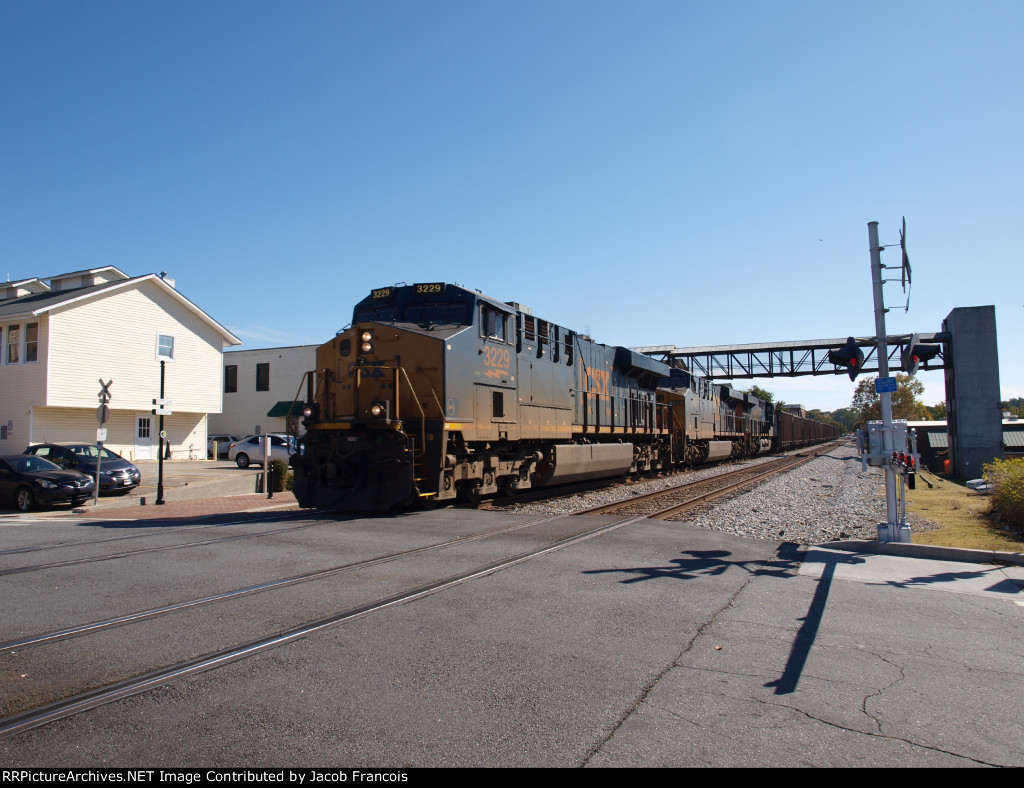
436 392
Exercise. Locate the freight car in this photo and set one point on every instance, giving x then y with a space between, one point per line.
795 432
437 392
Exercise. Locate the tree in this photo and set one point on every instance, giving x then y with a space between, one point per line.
825 418
937 412
905 401
767 396
847 417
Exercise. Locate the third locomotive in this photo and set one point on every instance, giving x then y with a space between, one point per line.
437 392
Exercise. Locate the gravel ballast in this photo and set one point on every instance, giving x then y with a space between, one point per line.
828 499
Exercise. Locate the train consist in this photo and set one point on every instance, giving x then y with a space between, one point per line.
437 392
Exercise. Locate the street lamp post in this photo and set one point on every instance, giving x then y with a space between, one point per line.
160 456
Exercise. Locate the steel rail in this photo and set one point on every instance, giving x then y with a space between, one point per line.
751 475
122 537
103 695
143 615
749 481
127 553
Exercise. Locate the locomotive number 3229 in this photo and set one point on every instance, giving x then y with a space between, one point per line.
497 357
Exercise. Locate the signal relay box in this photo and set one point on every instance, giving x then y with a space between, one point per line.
869 441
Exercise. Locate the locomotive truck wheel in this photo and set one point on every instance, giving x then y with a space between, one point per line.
509 486
472 493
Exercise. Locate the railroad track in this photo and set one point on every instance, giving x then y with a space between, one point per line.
664 504
109 692
646 503
341 593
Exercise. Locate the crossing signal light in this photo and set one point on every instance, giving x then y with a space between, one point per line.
915 354
849 356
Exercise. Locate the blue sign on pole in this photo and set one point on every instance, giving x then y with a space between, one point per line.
885 385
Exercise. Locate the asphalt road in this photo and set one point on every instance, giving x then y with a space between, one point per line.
655 645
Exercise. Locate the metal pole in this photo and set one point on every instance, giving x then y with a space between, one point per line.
881 349
99 458
266 464
160 458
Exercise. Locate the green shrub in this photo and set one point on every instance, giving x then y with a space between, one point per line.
279 470
1007 478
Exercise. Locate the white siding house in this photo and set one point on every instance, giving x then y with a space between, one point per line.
261 387
58 340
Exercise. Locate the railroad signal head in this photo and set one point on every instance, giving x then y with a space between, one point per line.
849 356
915 354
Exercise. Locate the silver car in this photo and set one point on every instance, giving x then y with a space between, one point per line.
250 449
223 445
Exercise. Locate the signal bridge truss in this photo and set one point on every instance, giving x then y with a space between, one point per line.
785 359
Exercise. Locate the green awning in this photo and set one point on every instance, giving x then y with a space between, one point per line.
938 440
287 407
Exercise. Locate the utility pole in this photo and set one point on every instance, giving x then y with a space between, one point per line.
893 529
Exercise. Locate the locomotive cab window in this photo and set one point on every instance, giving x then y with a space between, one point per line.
493 323
449 314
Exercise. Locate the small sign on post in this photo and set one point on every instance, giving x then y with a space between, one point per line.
885 385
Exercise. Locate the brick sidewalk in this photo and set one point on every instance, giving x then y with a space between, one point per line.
198 507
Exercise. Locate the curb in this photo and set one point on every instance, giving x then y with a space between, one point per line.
935 552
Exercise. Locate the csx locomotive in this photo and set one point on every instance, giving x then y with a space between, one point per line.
437 392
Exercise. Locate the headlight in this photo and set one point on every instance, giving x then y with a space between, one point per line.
366 342
377 409
45 483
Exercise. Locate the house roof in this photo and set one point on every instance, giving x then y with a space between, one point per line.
39 303
120 274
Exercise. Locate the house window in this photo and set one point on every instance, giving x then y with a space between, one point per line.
32 342
13 341
263 377
231 379
164 347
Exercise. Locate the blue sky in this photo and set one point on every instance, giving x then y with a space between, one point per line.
649 172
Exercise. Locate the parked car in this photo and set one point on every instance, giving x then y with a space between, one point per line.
27 481
223 444
250 449
116 473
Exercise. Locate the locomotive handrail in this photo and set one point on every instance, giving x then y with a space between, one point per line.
416 399
287 422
